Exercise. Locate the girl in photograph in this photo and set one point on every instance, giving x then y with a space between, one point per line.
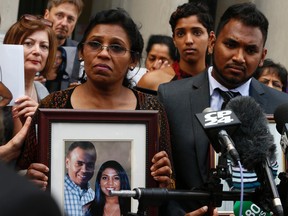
111 176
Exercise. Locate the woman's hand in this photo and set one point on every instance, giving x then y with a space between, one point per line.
37 173
12 149
201 211
25 106
161 169
160 64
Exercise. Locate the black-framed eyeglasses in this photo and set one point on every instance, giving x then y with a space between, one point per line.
31 17
113 49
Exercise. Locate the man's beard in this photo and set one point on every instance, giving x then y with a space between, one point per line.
222 79
61 36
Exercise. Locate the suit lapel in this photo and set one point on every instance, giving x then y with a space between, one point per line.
200 95
199 100
257 92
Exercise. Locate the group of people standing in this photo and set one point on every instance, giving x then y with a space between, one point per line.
111 46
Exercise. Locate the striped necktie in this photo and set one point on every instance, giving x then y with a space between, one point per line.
227 96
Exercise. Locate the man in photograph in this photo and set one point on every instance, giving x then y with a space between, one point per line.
80 164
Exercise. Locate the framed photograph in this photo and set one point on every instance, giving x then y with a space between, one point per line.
128 137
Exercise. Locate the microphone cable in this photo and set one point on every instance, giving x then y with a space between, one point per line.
242 188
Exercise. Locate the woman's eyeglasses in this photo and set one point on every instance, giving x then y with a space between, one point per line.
113 49
36 17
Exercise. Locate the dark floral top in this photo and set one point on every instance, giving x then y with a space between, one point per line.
61 99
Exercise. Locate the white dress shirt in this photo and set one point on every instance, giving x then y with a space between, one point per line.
216 99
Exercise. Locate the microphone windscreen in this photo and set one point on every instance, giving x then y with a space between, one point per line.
281 117
252 139
249 208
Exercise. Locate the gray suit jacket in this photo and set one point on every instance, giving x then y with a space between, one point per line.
76 67
182 100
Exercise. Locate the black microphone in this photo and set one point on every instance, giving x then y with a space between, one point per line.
163 194
255 145
281 119
218 126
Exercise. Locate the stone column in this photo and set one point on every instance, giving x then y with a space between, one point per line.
8 12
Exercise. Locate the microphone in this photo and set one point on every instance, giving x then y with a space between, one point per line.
281 119
219 125
163 194
255 145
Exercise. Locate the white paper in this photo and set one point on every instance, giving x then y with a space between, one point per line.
12 68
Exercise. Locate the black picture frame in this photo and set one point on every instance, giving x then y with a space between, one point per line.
56 126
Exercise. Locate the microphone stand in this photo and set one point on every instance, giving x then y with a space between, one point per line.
212 191
283 190
156 196
214 181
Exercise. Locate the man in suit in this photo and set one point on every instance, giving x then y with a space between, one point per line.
238 50
20 197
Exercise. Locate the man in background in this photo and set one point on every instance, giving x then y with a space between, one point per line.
64 14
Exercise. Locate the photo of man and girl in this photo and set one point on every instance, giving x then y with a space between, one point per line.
92 170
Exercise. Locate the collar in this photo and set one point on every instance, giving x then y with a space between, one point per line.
213 84
74 187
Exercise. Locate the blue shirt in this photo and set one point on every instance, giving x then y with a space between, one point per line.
75 197
249 178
